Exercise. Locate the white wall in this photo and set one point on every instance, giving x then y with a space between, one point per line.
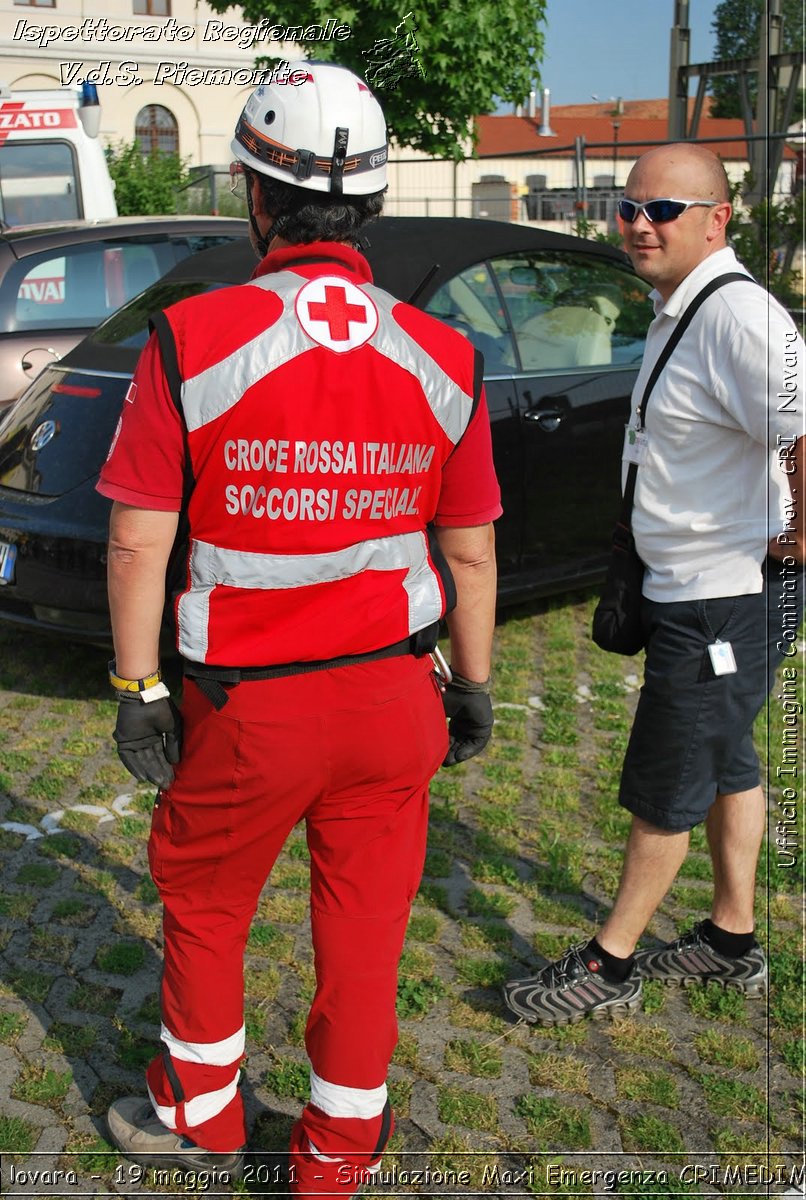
206 113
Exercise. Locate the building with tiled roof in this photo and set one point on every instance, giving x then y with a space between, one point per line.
519 174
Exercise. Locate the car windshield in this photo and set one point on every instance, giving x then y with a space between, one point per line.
128 328
38 183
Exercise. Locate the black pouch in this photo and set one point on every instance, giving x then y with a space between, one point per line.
617 619
617 623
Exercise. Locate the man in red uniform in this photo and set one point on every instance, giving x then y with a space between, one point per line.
328 449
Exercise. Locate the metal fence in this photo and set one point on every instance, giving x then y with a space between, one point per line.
594 177
590 196
559 207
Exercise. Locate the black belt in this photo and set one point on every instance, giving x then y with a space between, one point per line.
212 680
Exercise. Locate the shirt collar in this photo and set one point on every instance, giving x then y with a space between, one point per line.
715 264
341 258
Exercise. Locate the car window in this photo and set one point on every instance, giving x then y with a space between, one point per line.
471 303
128 328
79 286
573 310
38 183
194 243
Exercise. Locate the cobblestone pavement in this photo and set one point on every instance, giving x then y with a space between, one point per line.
700 1092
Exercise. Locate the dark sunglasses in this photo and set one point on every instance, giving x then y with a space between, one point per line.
238 181
659 211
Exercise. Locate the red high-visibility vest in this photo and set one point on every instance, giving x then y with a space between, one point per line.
317 428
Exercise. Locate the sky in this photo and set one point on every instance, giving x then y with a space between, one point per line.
612 48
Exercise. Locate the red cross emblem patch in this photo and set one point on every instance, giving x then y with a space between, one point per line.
335 313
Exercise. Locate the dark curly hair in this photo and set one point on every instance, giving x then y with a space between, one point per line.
302 216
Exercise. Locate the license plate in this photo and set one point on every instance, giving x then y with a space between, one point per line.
8 557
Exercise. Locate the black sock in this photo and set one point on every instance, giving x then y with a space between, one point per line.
615 970
732 945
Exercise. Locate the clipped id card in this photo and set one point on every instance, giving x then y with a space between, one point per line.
636 444
722 659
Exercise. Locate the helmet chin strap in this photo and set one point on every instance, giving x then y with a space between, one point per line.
261 242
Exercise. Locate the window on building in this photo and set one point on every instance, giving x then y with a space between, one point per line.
36 3
156 129
151 8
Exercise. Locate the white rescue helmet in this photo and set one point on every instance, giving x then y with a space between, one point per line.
326 133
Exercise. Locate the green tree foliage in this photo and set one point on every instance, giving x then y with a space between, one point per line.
736 26
145 184
765 237
465 57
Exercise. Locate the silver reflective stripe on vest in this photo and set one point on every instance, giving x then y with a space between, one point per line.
216 390
452 407
219 388
211 566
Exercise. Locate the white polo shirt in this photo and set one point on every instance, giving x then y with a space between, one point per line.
730 398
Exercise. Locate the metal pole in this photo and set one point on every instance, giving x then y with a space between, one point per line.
678 76
763 165
579 166
777 118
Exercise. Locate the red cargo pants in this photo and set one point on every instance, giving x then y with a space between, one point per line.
352 752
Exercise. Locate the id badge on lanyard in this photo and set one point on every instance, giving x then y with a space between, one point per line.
636 445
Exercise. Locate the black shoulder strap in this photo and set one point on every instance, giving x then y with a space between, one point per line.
663 358
158 323
175 574
682 326
478 385
478 378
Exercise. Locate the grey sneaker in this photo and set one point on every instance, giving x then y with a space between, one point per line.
139 1134
691 959
571 989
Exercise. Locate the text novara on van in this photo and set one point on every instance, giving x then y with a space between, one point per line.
99 29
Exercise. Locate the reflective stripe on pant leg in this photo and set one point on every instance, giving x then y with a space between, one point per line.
312 1173
193 1087
347 1121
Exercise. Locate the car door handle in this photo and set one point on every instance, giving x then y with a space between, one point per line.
548 419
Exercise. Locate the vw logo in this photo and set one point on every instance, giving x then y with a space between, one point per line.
43 434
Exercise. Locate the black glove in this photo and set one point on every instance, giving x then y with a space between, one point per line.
470 710
149 738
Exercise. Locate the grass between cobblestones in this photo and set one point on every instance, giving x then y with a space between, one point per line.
699 1092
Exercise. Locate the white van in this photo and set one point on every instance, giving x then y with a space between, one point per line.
52 166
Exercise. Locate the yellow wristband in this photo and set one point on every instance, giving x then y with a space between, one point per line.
132 685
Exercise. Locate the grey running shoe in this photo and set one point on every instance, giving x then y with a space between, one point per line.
571 989
691 959
140 1135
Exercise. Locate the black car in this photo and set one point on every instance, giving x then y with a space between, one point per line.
561 322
